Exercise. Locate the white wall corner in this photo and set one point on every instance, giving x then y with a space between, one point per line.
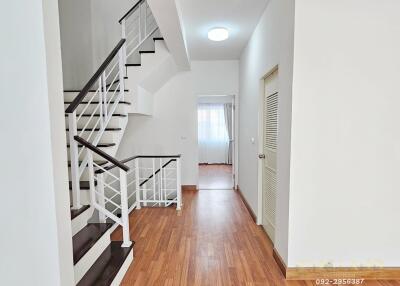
168 16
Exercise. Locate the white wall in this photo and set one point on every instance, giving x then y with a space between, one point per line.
106 31
215 77
76 42
271 44
32 241
344 198
215 99
171 130
58 139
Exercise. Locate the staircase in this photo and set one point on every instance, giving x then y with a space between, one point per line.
103 189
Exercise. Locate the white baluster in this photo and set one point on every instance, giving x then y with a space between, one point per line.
101 197
178 184
101 103
165 186
105 104
154 179
123 36
160 186
145 18
140 23
124 209
74 156
121 74
137 183
145 194
91 182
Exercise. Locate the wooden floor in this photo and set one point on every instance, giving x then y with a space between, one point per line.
212 241
215 177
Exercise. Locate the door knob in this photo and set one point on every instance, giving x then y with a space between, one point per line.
261 156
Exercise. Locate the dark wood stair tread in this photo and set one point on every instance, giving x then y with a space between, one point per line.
97 115
96 102
158 39
133 65
147 52
84 185
97 129
107 266
92 90
100 145
75 213
85 239
100 163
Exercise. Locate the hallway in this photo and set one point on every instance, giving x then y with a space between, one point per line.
215 177
212 241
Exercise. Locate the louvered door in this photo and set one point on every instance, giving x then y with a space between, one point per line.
270 129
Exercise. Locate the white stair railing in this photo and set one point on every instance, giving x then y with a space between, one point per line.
151 181
159 181
137 25
106 88
107 188
91 111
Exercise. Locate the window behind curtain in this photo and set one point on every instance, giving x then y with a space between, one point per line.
212 134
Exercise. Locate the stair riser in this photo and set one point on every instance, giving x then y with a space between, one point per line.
108 136
115 122
85 197
81 220
152 59
91 256
121 108
149 63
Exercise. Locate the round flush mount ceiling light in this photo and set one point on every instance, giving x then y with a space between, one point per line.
218 34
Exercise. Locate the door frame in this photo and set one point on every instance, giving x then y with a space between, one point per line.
235 149
261 141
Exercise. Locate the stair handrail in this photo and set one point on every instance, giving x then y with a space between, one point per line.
98 195
109 167
103 154
130 11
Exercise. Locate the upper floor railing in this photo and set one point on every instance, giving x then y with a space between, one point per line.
137 25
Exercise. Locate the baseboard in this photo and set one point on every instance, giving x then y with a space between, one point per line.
189 188
314 273
214 164
249 209
280 262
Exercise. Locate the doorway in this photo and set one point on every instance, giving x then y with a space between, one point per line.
216 142
268 154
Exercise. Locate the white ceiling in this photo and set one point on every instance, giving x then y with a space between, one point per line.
239 16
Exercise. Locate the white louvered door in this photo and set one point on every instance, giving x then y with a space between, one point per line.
270 130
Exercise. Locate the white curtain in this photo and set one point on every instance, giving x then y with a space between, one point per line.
213 135
228 126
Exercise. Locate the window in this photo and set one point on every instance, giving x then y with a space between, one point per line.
212 133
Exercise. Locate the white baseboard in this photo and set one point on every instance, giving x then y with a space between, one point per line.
81 220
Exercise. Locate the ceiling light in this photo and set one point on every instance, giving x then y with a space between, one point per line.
218 34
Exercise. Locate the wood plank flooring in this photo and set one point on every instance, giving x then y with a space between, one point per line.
212 241
215 177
